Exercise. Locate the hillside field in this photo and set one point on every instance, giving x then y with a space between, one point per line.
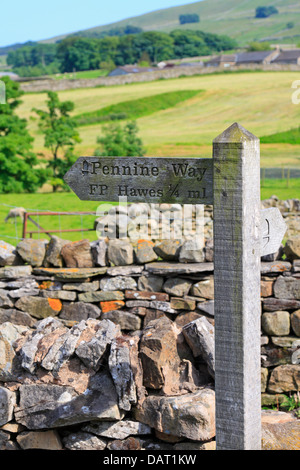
235 18
260 101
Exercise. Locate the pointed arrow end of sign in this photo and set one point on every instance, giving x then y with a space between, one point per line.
273 230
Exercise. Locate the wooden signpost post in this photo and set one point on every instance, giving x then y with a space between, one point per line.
242 234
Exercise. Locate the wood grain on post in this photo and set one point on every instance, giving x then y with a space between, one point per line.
237 245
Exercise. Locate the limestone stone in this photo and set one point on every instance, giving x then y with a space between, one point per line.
271 304
286 341
264 379
164 306
120 252
177 286
168 250
276 323
200 336
150 283
186 317
24 283
284 378
90 286
8 254
165 358
117 283
36 343
44 406
18 293
194 446
39 307
126 320
287 288
121 371
131 443
46 440
65 345
191 416
295 322
191 252
209 250
118 430
145 252
125 270
266 287
6 443
15 316
15 272
32 251
100 296
166 269
292 248
5 300
272 356
204 289
182 304
53 252
77 254
152 314
59 294
91 351
69 274
7 403
146 295
275 267
83 441
78 311
207 307
138 303
281 436
99 252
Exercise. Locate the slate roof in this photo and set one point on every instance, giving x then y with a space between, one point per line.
288 56
253 57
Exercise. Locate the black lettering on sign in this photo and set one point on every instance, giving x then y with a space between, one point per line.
170 180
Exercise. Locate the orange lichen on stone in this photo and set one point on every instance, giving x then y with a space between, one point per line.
142 243
108 306
46 285
55 304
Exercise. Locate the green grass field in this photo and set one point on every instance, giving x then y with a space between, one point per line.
78 75
68 202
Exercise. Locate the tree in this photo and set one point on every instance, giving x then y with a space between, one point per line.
259 46
118 141
189 18
19 165
61 135
265 12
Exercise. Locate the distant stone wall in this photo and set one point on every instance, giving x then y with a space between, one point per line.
68 84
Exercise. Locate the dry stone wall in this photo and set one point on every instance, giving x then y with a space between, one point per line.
110 345
187 71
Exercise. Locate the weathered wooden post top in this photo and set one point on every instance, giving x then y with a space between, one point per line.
242 234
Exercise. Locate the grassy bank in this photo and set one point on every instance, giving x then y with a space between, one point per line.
135 109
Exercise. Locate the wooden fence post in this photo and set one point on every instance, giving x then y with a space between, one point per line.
236 162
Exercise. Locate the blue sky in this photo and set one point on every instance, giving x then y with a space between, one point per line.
39 19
